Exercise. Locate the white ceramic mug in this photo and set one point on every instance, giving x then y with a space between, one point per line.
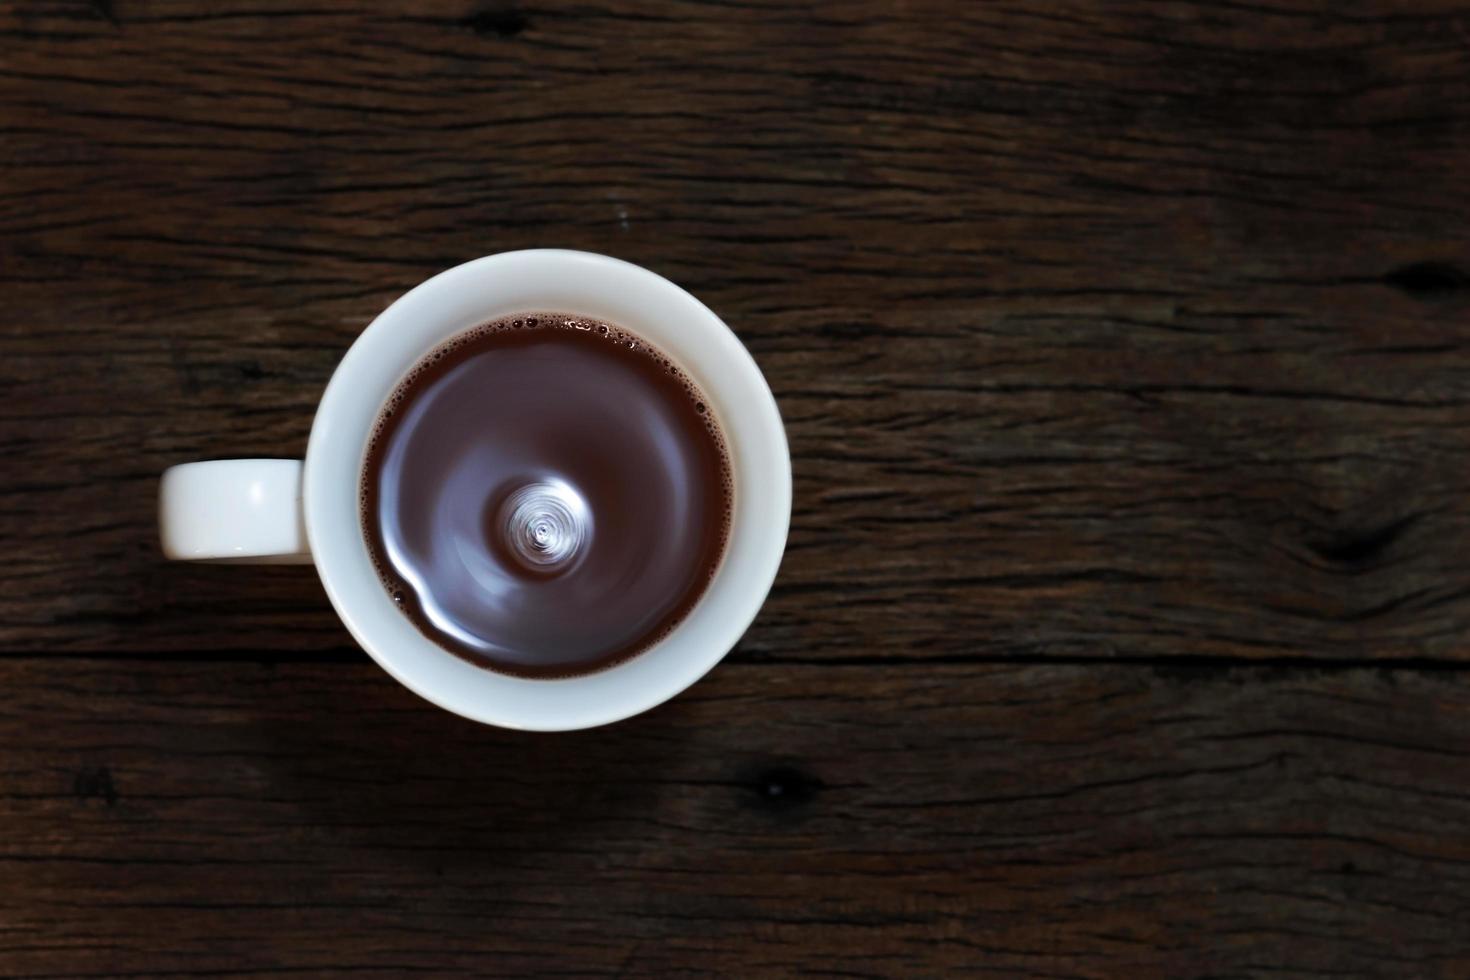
278 511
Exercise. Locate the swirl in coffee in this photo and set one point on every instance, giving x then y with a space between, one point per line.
546 495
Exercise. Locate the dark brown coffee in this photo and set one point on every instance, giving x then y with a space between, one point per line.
546 495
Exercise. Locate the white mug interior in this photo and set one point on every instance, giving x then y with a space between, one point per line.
583 284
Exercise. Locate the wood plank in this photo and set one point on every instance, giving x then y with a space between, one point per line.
1080 821
1118 330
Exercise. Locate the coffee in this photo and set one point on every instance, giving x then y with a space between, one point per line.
546 495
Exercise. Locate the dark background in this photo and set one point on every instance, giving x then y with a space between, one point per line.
1124 351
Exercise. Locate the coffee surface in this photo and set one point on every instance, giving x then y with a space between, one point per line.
546 495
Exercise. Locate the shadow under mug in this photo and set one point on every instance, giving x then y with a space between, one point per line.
290 511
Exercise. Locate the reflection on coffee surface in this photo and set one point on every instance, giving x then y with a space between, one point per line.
546 495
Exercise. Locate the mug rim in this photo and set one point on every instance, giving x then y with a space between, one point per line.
458 299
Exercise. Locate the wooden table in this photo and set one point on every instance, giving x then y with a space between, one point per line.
1124 350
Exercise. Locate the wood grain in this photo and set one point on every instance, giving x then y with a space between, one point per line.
1041 821
1123 353
1127 330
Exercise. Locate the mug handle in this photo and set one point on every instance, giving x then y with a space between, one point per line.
245 511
